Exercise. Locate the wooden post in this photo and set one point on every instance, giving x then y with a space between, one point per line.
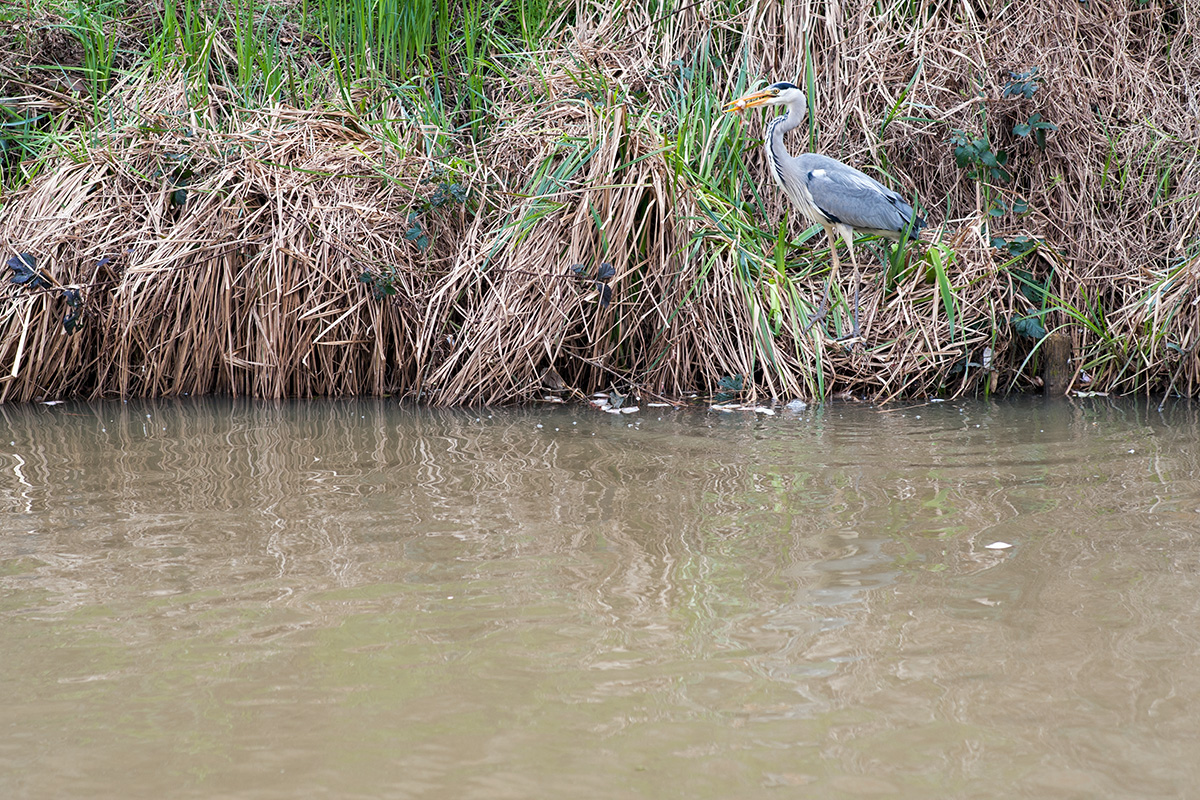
1057 372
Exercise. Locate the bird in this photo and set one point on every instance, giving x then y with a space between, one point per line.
836 196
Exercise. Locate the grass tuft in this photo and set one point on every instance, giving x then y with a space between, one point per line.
484 202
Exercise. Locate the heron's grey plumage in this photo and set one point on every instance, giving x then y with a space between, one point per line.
836 196
828 191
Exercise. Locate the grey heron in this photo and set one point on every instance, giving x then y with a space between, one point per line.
834 195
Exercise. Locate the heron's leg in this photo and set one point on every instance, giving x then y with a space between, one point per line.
855 333
823 308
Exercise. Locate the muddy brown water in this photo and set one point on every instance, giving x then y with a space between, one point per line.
352 599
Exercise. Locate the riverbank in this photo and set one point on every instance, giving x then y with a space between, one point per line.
489 203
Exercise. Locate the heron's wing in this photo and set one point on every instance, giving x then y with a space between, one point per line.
845 195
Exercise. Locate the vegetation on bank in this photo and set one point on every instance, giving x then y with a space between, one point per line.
490 202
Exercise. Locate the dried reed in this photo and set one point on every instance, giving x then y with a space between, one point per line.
382 248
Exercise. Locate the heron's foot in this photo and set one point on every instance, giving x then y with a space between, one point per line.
822 308
822 312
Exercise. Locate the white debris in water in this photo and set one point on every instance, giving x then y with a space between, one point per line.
796 405
738 407
658 405
998 546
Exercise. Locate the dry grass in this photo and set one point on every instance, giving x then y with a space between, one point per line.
251 287
610 148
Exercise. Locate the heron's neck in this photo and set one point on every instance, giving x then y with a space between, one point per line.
773 142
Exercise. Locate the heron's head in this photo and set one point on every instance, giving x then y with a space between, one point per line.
777 94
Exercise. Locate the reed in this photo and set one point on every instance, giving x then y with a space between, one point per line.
486 203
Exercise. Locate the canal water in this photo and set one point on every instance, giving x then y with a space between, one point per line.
354 599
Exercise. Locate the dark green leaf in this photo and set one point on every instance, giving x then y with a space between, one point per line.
731 383
1022 245
1029 327
75 302
416 235
26 273
381 285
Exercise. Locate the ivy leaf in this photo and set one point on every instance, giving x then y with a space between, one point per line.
731 386
26 273
605 293
1029 327
75 301
416 234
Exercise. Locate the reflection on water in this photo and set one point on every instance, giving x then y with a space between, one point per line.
354 599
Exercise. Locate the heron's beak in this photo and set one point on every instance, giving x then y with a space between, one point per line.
752 100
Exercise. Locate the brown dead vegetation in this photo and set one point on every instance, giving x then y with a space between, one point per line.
254 283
